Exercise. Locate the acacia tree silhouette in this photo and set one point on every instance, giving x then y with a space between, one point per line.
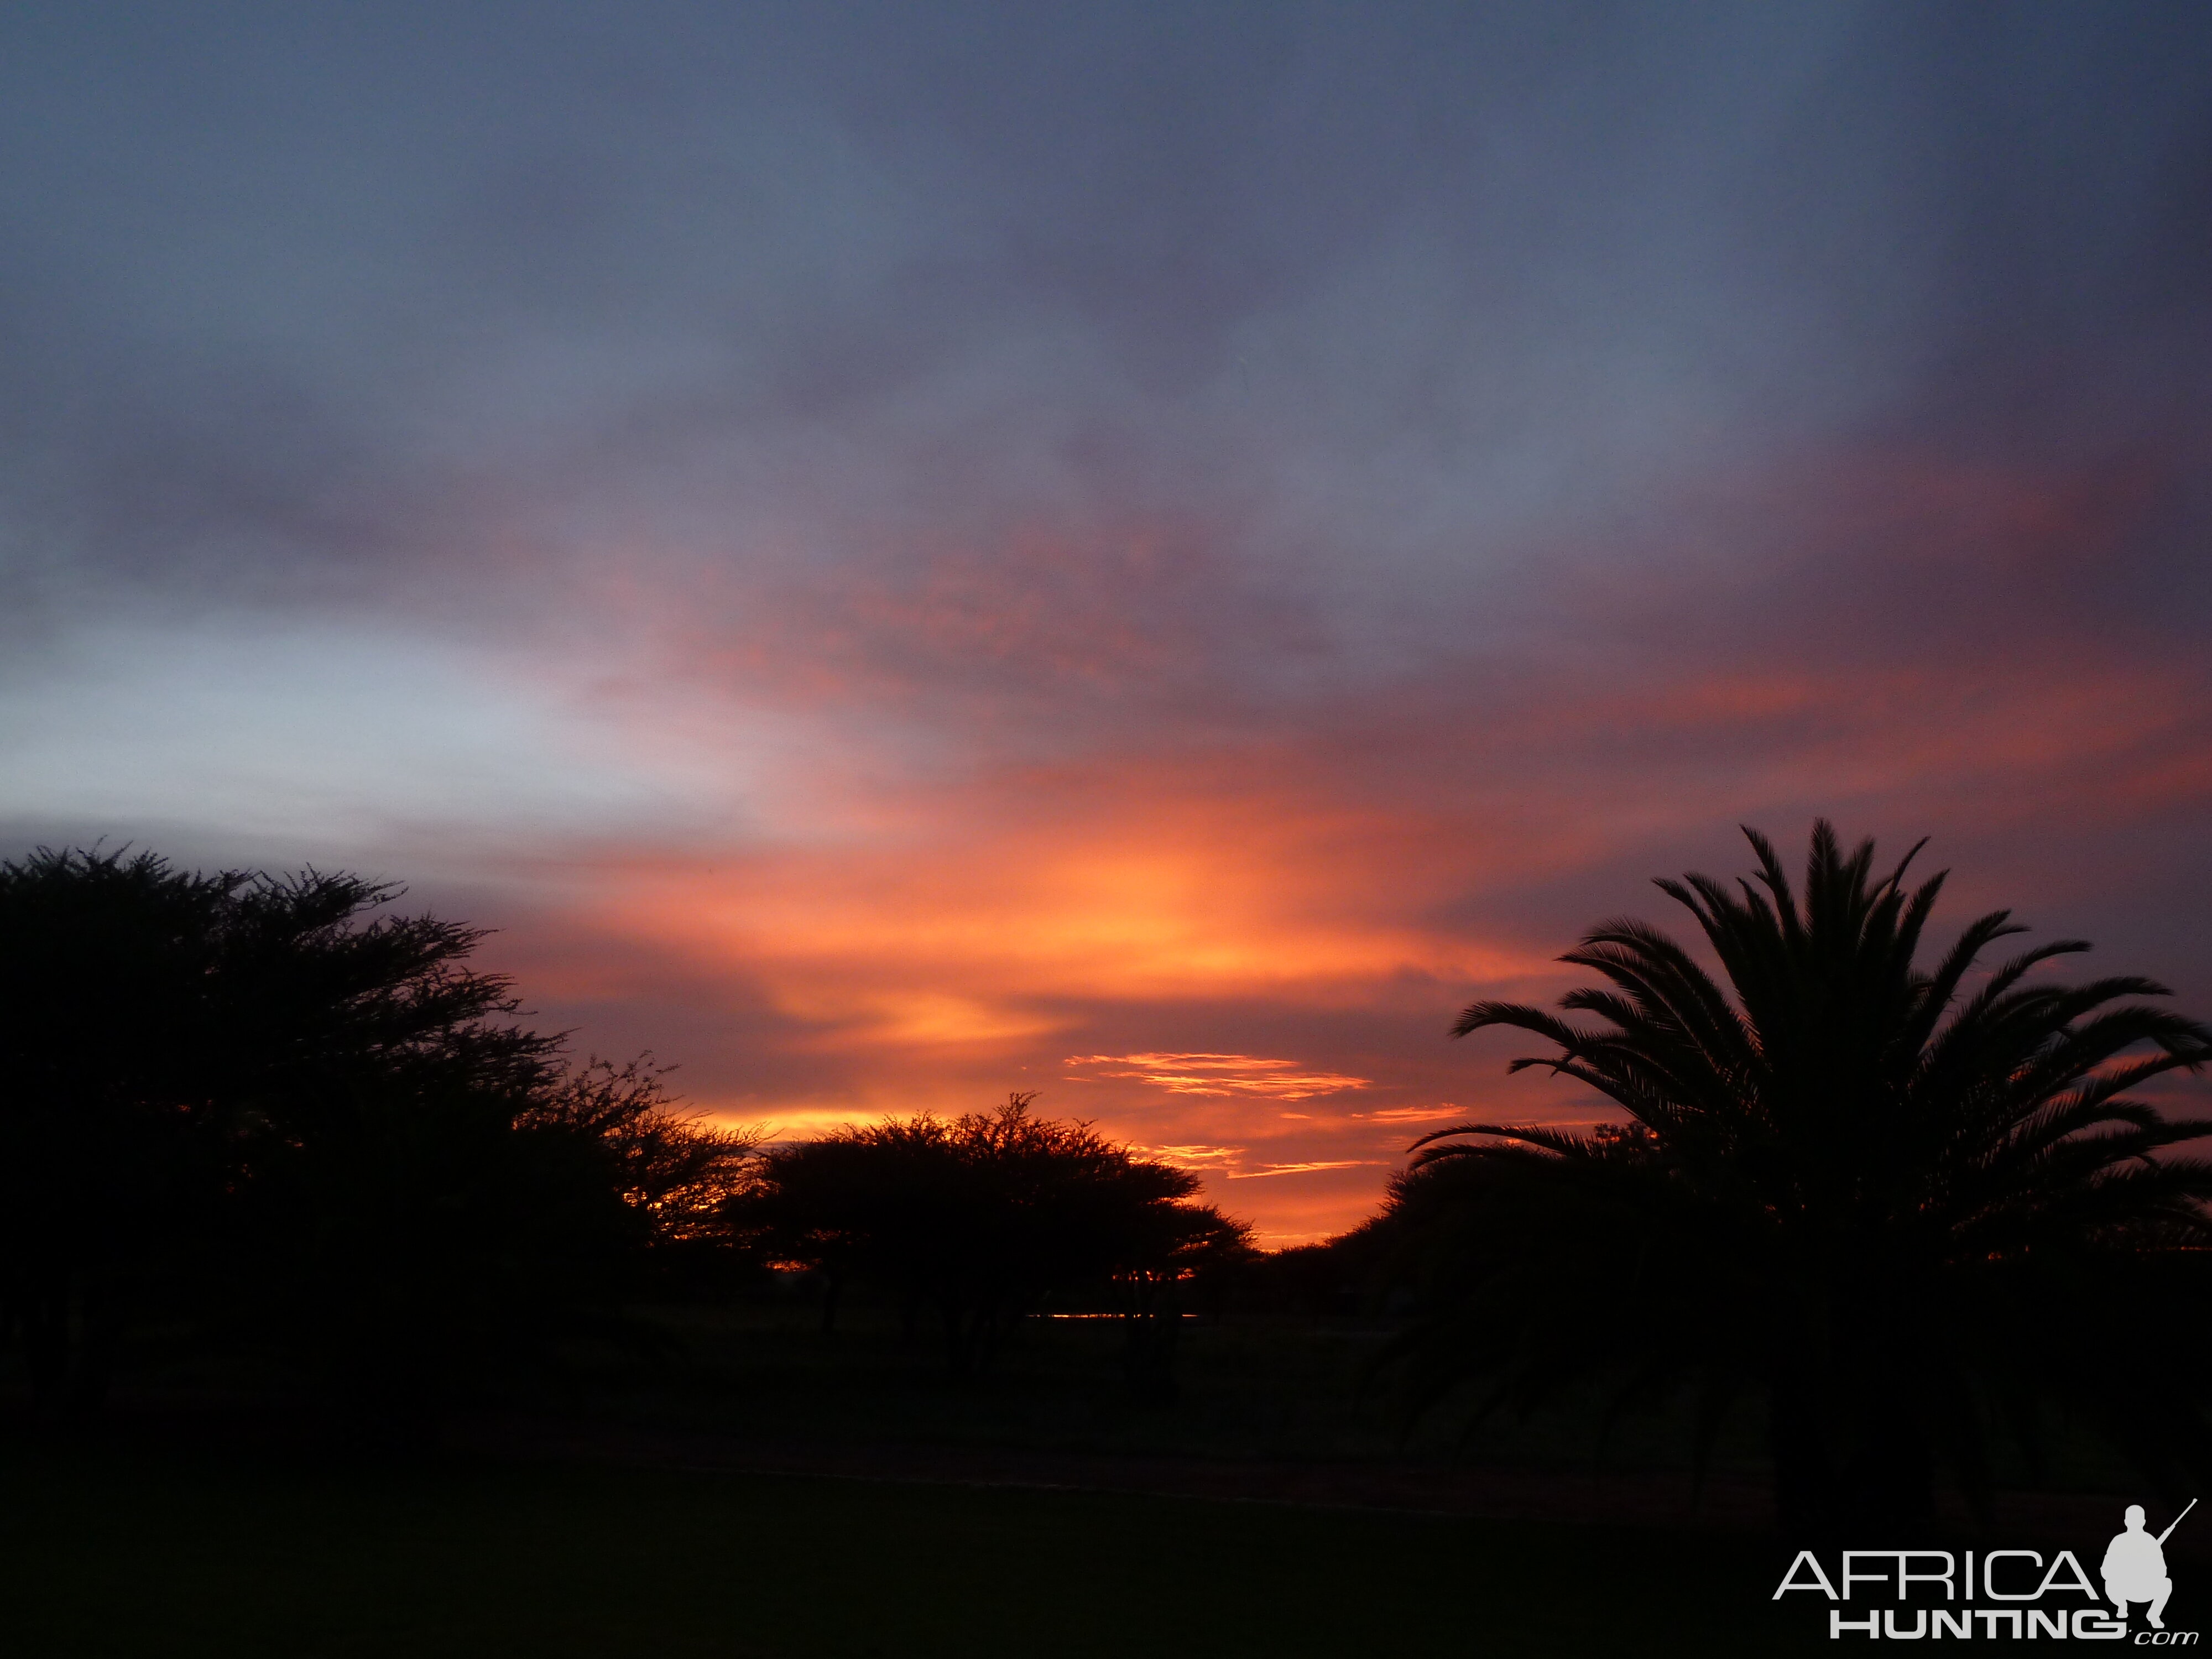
1906 1205
259 1103
1165 1243
431 1229
106 1059
979 1216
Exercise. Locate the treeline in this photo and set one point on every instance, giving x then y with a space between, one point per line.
266 1119
1917 1217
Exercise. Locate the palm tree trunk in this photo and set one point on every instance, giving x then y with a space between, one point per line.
1889 1476
1851 1460
1805 1487
47 1345
959 1339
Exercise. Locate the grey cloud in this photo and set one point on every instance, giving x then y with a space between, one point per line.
326 305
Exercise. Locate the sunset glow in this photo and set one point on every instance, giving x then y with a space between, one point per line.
888 586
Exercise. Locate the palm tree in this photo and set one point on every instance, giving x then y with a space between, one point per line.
1909 1206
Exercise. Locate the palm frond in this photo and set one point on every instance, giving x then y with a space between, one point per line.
1841 1175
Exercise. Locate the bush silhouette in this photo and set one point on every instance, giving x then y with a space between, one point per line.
1905 1207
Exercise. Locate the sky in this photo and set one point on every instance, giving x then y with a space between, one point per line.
901 553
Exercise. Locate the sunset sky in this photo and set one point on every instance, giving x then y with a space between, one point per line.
1144 553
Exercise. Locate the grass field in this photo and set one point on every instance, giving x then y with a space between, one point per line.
162 1538
1252 1387
168 1554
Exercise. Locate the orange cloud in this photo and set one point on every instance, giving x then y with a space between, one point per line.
1222 1074
1193 1157
1176 914
1305 1169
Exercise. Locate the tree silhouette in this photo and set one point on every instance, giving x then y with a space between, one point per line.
979 1216
676 1176
265 1106
1165 1243
1908 1206
431 1230
108 1057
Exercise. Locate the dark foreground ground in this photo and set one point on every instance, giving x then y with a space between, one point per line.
776 1494
113 1552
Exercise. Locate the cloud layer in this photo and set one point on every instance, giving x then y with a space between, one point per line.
886 548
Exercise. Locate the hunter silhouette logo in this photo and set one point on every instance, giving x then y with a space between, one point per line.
2135 1567
2032 1597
